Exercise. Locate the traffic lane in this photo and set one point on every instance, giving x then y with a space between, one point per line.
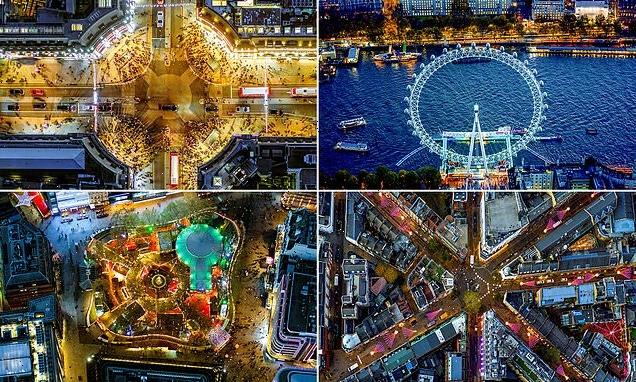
63 91
158 21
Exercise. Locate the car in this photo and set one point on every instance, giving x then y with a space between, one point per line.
87 107
169 107
63 107
37 92
13 107
16 92
39 105
242 109
105 106
211 108
159 19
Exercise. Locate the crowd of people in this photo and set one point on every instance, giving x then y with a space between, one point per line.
55 72
128 139
200 145
211 59
129 61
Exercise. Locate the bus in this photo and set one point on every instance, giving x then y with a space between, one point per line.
254 92
174 170
303 92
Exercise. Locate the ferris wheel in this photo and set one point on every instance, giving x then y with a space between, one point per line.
513 143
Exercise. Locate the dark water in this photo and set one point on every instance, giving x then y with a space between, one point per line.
582 93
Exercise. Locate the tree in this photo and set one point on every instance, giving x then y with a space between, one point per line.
549 353
472 302
430 177
389 273
341 179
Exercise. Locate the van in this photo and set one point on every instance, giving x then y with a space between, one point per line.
353 367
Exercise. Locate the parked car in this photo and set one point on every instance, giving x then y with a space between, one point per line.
169 107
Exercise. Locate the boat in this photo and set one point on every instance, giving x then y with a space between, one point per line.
351 123
550 138
352 146
471 60
392 57
591 130
352 58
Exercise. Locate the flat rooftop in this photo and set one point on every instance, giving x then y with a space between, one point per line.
15 360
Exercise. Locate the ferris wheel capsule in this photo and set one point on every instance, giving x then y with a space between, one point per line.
445 50
406 99
526 63
545 95
488 45
514 54
407 112
458 46
473 45
432 57
409 88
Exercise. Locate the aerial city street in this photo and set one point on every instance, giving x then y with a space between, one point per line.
158 287
477 286
158 94
477 94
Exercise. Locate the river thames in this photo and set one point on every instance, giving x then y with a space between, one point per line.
582 93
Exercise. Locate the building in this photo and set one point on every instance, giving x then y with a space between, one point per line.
584 294
425 7
29 346
295 374
61 29
490 7
360 6
502 349
326 212
626 10
623 218
27 262
106 368
543 10
356 286
591 8
73 161
293 328
294 320
543 180
454 367
249 161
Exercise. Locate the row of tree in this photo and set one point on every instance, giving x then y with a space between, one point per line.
334 24
427 177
